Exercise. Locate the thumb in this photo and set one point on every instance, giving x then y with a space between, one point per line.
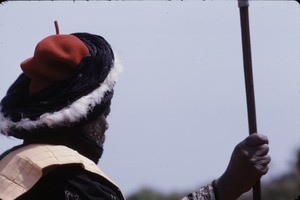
255 139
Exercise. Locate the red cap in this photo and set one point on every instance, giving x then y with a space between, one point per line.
55 59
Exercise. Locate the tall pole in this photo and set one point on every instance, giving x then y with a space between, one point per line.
245 31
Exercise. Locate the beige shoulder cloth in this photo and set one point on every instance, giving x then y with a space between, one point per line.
22 168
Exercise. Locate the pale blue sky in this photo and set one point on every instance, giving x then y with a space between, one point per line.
179 107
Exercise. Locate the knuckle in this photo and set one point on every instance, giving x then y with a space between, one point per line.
265 170
265 147
268 159
239 148
259 168
253 161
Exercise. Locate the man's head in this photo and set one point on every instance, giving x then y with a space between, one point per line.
68 82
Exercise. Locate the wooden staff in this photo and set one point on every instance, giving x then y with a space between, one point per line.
245 30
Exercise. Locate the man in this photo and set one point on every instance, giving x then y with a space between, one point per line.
59 105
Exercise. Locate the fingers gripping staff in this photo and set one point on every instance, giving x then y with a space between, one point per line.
245 31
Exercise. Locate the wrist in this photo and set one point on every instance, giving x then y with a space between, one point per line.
224 190
215 189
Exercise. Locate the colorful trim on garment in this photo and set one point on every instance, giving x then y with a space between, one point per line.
205 193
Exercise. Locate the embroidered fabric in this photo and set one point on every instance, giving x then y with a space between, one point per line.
205 193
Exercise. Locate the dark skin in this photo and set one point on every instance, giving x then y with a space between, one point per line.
249 162
103 122
98 128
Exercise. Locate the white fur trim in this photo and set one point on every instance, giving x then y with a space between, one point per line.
73 113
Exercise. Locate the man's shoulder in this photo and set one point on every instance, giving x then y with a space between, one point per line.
49 170
70 182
